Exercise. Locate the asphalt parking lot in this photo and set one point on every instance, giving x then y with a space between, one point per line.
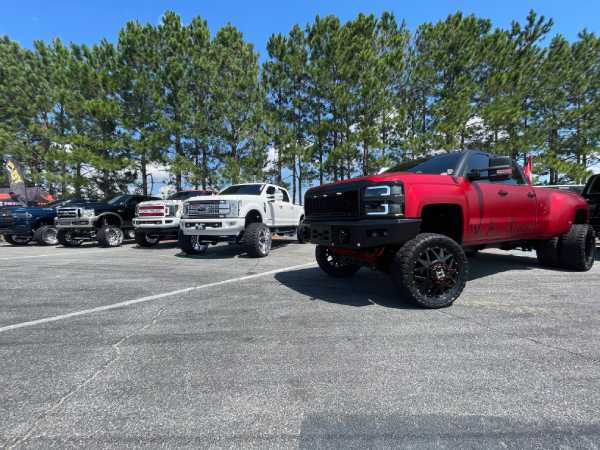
133 347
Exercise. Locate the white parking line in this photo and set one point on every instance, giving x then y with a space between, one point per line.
150 298
73 252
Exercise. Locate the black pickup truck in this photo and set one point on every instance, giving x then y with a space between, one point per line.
591 192
107 222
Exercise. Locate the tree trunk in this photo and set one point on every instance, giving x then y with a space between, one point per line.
365 158
294 178
204 165
144 173
178 152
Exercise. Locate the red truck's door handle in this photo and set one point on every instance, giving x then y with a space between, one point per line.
502 193
530 194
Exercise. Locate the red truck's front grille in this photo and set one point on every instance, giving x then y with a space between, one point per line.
332 203
152 211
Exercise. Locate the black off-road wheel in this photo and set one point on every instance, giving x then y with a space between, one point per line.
335 265
144 239
46 235
257 238
14 239
547 252
300 232
66 238
110 236
430 270
577 248
192 245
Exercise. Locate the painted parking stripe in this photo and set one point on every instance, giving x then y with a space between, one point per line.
74 252
150 298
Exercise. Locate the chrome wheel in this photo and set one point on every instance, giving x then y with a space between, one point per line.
264 240
49 236
435 271
114 236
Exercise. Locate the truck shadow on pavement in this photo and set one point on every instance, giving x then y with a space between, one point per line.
369 287
224 251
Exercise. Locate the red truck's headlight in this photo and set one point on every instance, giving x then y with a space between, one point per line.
383 200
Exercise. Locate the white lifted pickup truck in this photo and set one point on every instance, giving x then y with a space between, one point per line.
247 214
159 219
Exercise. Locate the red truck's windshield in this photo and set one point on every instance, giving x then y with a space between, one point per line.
442 164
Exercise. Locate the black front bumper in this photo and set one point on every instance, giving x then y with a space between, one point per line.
361 233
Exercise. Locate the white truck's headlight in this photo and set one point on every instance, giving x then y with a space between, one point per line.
229 208
383 200
88 213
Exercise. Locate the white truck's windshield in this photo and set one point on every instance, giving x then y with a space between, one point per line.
243 189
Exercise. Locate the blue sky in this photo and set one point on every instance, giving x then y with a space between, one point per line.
87 21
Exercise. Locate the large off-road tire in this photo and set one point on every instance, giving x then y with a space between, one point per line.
110 236
430 270
547 252
144 239
192 245
577 248
300 232
335 265
46 235
14 239
65 238
257 238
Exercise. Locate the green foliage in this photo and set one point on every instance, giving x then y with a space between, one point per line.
331 101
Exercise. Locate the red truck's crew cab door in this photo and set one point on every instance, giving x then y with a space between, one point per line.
499 211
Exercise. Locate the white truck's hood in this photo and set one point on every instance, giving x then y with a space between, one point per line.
253 198
161 202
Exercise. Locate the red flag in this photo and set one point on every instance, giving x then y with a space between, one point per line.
528 169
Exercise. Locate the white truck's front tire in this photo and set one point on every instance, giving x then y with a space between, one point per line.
257 238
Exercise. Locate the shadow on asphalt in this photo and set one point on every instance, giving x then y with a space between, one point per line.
234 250
369 287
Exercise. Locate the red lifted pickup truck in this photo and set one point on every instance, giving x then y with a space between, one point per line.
420 220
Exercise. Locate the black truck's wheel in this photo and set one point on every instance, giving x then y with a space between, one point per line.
66 238
46 235
300 232
144 239
547 252
257 238
335 265
431 270
14 239
577 248
192 245
110 236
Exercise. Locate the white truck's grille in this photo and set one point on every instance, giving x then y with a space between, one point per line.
152 211
209 208
68 213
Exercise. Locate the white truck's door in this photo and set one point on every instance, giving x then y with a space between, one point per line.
274 206
288 209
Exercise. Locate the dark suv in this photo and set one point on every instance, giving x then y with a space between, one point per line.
107 222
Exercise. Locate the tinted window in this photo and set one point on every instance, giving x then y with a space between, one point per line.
437 165
594 186
481 162
243 189
271 190
477 161
118 200
286 197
